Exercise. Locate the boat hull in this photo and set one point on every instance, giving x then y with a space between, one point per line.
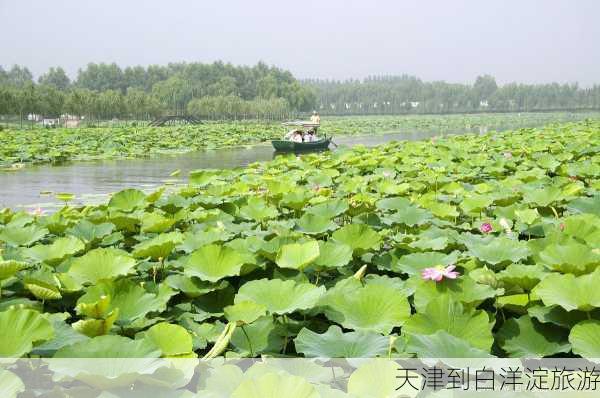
290 146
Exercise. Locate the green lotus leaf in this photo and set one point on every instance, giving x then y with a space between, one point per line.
154 222
128 200
380 379
433 239
413 264
110 346
65 196
475 203
158 247
244 312
132 300
443 313
257 209
527 216
569 257
329 209
397 203
20 329
193 287
297 255
89 232
273 385
359 237
43 284
263 336
172 340
313 224
527 338
378 306
96 327
441 210
523 276
584 227
569 291
9 268
336 344
22 235
542 197
333 255
213 262
409 215
585 339
64 335
280 297
464 290
441 344
203 177
100 264
56 252
585 205
498 250
556 315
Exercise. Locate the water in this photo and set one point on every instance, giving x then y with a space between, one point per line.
91 181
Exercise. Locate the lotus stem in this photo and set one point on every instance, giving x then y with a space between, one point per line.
249 342
222 342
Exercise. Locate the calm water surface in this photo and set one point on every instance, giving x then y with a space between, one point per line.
91 181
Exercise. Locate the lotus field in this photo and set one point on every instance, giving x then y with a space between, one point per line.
40 145
469 246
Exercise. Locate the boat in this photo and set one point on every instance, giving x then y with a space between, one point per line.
293 146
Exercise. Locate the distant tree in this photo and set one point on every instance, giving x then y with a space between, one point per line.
50 100
55 77
101 77
19 76
484 87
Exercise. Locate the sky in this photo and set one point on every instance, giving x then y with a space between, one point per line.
529 41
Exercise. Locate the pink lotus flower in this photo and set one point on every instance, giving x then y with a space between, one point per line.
508 155
37 212
486 228
439 272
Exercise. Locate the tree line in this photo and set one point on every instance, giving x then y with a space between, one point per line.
106 91
408 94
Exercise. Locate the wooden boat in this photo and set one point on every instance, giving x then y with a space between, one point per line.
293 146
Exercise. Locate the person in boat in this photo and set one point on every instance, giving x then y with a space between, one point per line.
315 119
291 135
297 136
310 136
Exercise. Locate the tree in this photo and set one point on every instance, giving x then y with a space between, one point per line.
101 77
55 77
19 76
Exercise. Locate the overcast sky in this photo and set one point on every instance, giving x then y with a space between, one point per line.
453 40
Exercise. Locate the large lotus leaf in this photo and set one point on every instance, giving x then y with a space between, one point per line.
333 255
397 203
128 200
413 264
258 209
90 232
542 197
522 275
172 340
59 250
569 257
585 339
193 287
132 300
244 311
434 239
20 329
379 306
22 235
527 338
43 284
273 385
313 224
443 313
569 291
158 247
382 378
409 215
585 205
475 203
263 336
441 344
441 210
498 250
463 289
556 315
336 344
154 222
329 209
359 237
110 346
96 327
297 255
100 264
527 216
585 227
64 335
9 268
214 262
280 297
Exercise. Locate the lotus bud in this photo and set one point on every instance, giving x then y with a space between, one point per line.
505 224
485 276
361 272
